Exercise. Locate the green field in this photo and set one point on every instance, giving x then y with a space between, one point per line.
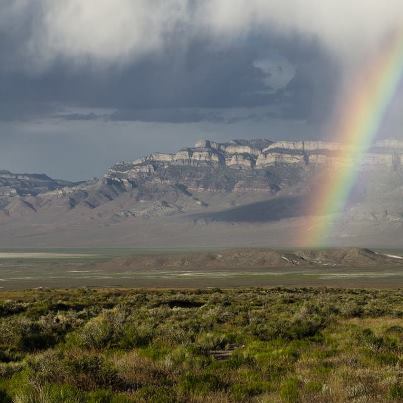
218 345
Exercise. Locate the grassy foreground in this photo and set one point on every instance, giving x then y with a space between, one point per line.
263 345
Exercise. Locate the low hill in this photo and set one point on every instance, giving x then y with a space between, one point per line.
249 258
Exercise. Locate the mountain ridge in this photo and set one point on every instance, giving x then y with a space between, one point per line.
242 190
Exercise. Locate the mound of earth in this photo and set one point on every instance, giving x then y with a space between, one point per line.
346 257
253 258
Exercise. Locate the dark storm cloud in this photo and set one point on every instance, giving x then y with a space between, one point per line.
166 86
141 54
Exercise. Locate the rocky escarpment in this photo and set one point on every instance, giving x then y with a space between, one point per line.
27 184
208 166
244 192
258 154
240 166
384 154
248 164
186 181
19 192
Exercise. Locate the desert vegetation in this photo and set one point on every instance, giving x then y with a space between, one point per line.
214 345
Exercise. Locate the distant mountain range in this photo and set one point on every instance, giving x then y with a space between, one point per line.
12 185
244 192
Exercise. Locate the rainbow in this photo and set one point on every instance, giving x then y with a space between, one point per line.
360 120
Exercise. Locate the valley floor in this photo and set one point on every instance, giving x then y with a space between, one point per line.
201 345
176 268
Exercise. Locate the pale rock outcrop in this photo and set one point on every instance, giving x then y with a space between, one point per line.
248 159
240 161
235 154
384 154
198 156
207 144
382 159
161 157
240 149
252 147
8 191
391 144
368 160
275 158
12 184
305 146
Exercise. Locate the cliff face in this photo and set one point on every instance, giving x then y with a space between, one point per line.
171 183
209 166
236 166
384 154
27 184
255 155
245 190
256 167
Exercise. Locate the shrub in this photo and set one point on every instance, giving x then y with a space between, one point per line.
296 328
46 367
102 331
246 390
289 390
212 341
5 397
9 308
49 394
96 334
200 383
127 345
135 336
10 355
106 396
33 337
396 392
135 371
8 370
90 371
158 394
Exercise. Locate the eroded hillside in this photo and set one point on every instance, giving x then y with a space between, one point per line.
204 191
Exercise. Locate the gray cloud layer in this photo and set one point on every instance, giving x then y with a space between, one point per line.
120 31
177 53
259 69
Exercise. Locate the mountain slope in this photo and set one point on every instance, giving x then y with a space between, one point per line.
245 192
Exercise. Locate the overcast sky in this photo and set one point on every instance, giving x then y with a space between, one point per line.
85 83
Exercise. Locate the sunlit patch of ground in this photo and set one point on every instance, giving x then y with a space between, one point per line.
394 256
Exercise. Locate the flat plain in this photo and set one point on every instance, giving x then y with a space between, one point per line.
173 268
